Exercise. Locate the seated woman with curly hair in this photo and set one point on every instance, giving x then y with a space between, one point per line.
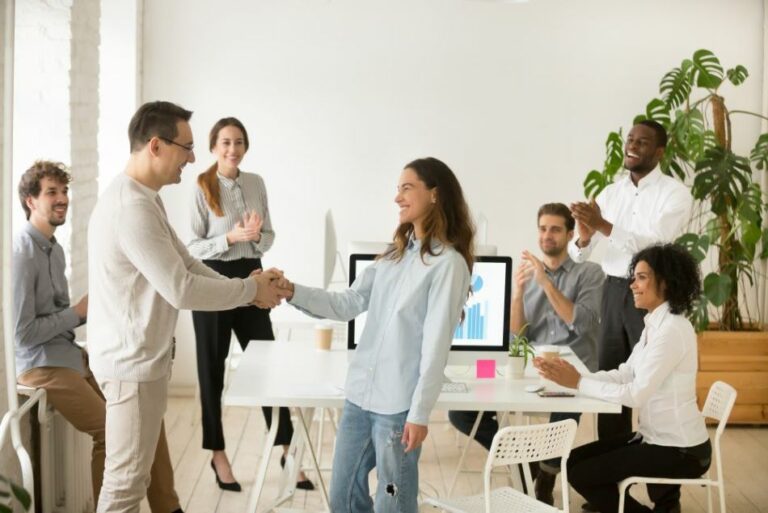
659 379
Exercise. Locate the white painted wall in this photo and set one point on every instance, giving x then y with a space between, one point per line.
338 95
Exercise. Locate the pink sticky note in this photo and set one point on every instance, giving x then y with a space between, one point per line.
486 368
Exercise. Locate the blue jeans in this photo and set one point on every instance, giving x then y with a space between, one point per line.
366 440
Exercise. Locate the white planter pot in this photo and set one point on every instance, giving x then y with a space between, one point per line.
515 367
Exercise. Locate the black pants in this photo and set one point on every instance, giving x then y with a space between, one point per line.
595 470
213 332
621 325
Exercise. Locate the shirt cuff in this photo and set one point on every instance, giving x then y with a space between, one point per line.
72 319
300 295
589 387
221 243
416 417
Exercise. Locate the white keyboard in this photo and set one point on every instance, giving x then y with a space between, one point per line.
452 387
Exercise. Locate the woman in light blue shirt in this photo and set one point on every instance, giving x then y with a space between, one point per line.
414 295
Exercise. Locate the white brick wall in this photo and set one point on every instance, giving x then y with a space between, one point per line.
84 116
58 110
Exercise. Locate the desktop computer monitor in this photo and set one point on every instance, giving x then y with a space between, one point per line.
484 334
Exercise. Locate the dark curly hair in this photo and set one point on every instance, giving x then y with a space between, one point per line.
677 269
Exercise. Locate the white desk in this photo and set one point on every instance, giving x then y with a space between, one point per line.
295 374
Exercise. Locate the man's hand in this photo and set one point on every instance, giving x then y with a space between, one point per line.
558 370
537 266
589 215
247 229
413 436
522 275
585 234
267 293
81 308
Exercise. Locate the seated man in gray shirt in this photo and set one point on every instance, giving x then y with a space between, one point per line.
559 300
46 354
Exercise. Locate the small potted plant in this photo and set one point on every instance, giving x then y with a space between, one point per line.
519 350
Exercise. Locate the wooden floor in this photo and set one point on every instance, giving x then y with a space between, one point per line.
745 452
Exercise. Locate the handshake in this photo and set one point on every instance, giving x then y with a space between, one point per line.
271 288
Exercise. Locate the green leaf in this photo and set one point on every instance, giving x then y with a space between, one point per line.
700 313
657 110
759 154
676 85
21 495
712 229
764 243
707 71
614 155
737 75
639 119
717 288
695 244
722 177
594 183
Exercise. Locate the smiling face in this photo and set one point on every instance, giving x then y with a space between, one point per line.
414 199
641 151
553 235
229 149
646 289
49 208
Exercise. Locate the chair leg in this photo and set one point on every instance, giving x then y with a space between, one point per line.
622 494
721 490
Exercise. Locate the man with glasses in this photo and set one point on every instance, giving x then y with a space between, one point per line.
140 275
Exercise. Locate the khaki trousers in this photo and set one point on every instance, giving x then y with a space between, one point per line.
79 400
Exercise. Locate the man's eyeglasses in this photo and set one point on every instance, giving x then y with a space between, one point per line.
189 148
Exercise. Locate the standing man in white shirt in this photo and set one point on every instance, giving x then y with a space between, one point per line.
140 275
643 208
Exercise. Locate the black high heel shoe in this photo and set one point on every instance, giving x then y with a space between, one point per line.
306 484
230 487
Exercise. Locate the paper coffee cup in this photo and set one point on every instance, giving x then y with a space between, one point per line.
323 336
548 352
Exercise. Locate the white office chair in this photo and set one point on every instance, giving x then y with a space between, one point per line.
512 446
719 404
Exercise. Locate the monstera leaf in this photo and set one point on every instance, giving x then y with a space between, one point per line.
10 489
676 85
759 154
696 245
737 75
657 110
707 71
717 288
721 176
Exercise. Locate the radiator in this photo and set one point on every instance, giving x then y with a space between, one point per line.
65 464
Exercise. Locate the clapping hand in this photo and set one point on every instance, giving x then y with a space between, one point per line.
535 267
522 275
589 217
247 229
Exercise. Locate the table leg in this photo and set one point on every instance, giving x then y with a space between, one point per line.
460 464
308 445
261 474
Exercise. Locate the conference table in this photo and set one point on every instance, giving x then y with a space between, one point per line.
297 375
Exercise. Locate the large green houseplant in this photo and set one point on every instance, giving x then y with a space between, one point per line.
9 491
729 205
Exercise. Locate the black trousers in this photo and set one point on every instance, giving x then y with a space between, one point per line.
595 470
621 325
213 332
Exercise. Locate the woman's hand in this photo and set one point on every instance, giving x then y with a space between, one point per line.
246 230
558 370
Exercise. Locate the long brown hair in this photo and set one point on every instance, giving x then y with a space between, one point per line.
207 180
447 221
